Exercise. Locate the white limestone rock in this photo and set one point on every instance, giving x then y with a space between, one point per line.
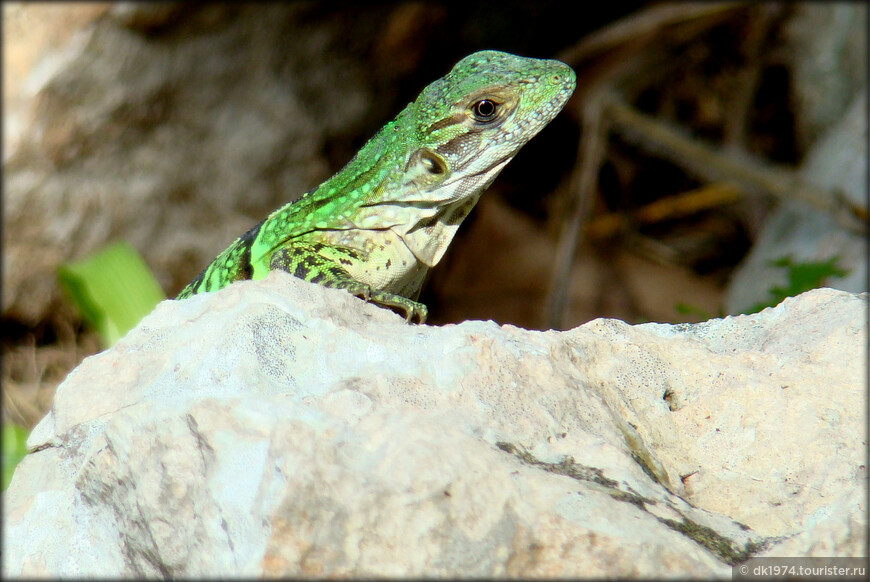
278 428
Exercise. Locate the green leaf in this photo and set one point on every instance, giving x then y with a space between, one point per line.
113 289
801 278
14 449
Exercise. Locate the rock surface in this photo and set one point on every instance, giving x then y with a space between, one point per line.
278 428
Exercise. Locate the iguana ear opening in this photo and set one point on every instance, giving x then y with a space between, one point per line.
434 163
426 168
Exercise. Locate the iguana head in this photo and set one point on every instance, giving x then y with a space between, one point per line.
471 122
423 172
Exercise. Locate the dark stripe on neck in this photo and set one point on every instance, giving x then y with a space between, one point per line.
446 122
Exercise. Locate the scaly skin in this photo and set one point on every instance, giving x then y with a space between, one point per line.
378 225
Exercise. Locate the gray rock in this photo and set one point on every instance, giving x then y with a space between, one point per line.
826 49
838 162
279 428
173 126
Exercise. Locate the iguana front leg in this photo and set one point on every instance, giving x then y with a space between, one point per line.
322 264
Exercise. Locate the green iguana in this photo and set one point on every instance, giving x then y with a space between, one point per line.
378 225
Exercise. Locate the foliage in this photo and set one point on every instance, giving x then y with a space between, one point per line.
14 449
801 278
113 289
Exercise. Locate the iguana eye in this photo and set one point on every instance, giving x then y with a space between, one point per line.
484 110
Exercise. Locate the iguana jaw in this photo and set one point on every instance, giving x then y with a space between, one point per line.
430 230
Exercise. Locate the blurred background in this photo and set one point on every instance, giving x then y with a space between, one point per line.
712 160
